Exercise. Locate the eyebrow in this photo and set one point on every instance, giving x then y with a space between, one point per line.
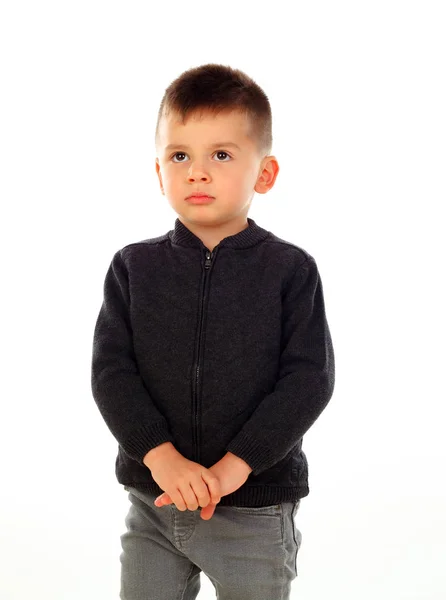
217 145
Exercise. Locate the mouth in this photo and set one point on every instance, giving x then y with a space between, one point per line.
200 199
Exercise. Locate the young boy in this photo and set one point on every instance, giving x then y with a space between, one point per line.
212 357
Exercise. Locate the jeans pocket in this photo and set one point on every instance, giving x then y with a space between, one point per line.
258 510
296 533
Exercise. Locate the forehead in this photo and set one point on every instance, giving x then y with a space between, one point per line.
232 126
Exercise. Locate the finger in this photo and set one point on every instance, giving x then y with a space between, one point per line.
208 511
202 493
213 484
178 500
163 500
189 497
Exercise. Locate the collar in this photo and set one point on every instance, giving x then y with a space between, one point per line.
250 236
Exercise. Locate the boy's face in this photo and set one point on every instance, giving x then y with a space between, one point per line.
201 159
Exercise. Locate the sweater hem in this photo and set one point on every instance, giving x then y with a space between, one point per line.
254 495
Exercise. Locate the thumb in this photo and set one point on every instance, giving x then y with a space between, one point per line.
163 500
213 484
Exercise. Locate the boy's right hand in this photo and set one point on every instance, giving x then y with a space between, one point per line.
188 483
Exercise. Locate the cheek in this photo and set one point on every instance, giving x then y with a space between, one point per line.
240 182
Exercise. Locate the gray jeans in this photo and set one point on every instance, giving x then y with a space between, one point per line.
248 553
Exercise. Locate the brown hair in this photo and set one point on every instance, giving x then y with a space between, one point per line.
218 88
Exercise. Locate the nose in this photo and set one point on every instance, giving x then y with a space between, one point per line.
196 173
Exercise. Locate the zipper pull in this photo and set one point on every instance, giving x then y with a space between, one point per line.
208 261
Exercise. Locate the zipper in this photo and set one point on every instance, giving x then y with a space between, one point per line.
209 261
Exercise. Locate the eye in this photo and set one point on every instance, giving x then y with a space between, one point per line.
217 152
222 152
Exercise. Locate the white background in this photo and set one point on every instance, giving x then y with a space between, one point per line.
357 91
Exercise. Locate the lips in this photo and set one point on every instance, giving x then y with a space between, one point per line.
198 195
199 199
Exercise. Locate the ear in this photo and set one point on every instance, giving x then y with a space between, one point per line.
267 175
158 172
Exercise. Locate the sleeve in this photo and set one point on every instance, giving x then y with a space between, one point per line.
305 381
118 389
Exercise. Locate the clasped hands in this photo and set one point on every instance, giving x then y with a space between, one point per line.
231 472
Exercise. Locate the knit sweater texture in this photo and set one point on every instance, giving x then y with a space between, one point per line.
216 352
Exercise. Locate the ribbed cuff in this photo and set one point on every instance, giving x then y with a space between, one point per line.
145 439
257 456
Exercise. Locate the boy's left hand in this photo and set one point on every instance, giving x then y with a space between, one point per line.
231 471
